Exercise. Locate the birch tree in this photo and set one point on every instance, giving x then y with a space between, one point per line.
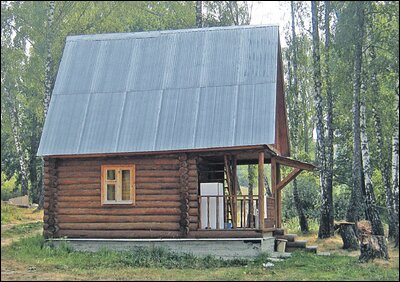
319 118
327 213
355 209
295 121
199 16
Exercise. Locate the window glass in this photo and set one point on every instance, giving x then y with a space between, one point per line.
110 192
126 185
110 174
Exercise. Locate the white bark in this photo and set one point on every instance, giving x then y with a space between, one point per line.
16 129
319 113
355 210
48 83
395 165
371 210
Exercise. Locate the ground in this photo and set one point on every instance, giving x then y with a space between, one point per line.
24 257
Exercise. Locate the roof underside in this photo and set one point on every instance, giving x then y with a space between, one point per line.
159 91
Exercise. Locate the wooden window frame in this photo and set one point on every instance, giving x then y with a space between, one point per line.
118 184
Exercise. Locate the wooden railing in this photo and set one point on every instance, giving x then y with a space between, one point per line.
228 212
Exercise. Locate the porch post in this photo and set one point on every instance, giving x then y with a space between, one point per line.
273 188
261 204
278 196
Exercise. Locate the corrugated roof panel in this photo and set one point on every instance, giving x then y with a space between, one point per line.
255 122
139 121
185 67
176 121
63 125
101 123
216 117
79 69
165 90
114 66
260 57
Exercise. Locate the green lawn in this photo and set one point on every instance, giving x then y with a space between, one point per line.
26 257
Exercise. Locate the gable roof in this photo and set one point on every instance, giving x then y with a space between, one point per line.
164 90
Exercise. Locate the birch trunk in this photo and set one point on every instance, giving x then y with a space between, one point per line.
295 129
395 166
199 16
370 202
327 216
384 163
48 81
15 119
319 115
355 208
49 59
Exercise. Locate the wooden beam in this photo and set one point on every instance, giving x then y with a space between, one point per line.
261 189
294 163
234 186
273 187
288 178
278 197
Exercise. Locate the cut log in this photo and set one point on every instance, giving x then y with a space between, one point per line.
350 241
372 247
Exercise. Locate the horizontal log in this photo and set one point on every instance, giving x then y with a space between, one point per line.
139 198
120 211
139 173
171 226
119 234
80 192
78 186
115 161
79 181
97 204
117 218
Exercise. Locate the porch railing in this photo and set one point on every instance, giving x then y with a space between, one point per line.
228 212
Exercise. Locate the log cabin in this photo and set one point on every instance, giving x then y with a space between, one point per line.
145 131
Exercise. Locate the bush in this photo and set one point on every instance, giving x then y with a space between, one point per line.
9 188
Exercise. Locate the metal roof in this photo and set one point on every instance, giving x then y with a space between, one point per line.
164 90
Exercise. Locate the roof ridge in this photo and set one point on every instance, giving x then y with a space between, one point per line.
156 33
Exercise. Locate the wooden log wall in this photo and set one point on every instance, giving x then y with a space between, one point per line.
51 227
73 198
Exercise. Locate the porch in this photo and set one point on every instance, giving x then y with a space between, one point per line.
225 209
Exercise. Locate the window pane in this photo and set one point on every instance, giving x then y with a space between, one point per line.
110 174
110 192
126 185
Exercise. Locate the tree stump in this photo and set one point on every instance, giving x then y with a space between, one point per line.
349 237
372 247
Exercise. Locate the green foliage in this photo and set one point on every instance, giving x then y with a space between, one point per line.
341 199
148 264
9 213
293 226
308 187
9 187
22 229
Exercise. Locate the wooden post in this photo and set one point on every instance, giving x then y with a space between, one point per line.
234 185
278 197
261 189
273 187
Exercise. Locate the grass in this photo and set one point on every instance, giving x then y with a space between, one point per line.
27 257
14 215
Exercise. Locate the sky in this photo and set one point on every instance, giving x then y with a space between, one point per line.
271 12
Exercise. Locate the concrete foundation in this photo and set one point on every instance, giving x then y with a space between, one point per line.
228 248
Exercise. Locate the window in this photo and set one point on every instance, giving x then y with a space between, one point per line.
117 184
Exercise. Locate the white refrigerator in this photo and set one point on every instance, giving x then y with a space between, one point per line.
212 189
